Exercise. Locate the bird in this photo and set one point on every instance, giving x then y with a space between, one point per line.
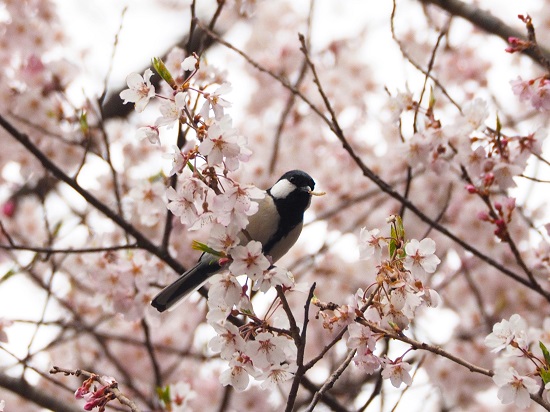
276 225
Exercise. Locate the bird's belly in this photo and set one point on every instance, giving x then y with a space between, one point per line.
283 246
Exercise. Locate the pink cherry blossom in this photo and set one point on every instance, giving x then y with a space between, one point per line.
239 372
228 340
150 133
397 372
506 332
371 244
515 388
267 349
421 257
140 90
249 260
215 102
276 374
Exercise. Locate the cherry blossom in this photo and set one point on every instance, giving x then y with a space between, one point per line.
140 90
367 361
239 372
360 338
148 199
274 277
189 63
171 110
224 290
181 394
223 144
101 232
506 332
236 204
276 374
371 244
267 349
515 388
178 160
216 102
182 203
150 133
228 341
249 260
420 257
397 372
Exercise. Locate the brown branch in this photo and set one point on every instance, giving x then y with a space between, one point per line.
51 251
487 22
31 393
141 239
151 351
329 383
386 188
123 399
300 340
441 352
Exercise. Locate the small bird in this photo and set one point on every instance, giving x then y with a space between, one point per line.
276 225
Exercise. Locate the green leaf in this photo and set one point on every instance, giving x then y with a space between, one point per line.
545 375
164 394
83 122
7 275
400 228
431 102
498 125
392 247
163 72
545 353
205 248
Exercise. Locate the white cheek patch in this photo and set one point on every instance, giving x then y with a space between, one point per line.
282 189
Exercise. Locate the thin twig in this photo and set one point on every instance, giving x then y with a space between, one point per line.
329 383
485 21
367 172
52 251
123 399
142 240
300 341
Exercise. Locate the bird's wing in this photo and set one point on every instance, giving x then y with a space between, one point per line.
186 283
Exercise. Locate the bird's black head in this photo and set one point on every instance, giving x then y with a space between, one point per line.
292 195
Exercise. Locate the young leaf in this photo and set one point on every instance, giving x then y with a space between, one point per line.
205 248
163 72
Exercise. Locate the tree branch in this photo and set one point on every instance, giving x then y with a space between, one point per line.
31 393
487 22
141 239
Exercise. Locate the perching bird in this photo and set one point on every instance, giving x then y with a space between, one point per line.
277 225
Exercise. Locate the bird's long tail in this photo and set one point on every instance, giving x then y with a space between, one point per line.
186 284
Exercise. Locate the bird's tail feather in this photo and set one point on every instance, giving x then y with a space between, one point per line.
190 281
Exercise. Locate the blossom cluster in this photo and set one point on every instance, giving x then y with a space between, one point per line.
263 355
96 397
535 91
523 368
209 197
253 349
398 292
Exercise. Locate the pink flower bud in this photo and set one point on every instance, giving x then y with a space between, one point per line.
484 216
471 189
488 179
8 208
